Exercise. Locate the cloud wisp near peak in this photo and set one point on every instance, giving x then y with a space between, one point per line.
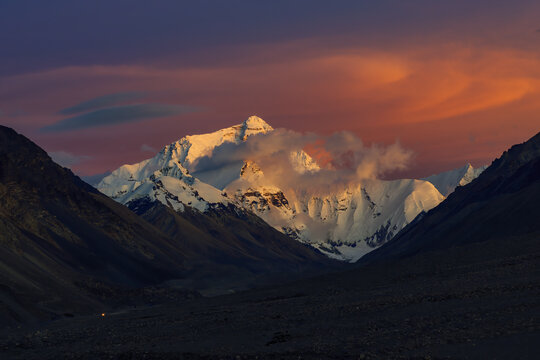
117 115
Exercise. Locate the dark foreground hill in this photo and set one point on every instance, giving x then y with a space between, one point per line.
456 305
231 248
463 299
61 239
68 249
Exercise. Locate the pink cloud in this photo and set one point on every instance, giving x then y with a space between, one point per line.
431 97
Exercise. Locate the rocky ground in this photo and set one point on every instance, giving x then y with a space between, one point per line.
419 308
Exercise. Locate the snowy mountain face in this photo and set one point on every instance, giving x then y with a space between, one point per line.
346 224
343 223
166 176
447 182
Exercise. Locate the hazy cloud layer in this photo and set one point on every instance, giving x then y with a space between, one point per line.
102 101
117 115
67 159
148 148
94 180
343 158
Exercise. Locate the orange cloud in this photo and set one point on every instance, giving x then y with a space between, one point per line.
470 82
434 98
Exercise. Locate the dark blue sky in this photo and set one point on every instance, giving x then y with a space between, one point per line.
42 34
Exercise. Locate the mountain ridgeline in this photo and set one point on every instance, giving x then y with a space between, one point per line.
459 282
67 248
344 223
499 209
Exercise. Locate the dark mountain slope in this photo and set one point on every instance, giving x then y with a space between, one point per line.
466 297
57 231
64 244
501 205
231 248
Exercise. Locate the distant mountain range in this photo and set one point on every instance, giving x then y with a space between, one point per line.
344 223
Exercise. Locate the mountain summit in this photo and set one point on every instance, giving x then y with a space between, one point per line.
447 182
253 125
175 161
344 223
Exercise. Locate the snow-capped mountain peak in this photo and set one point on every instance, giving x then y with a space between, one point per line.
447 181
190 148
251 170
253 125
175 161
343 222
302 162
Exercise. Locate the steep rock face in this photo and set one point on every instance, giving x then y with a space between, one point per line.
501 204
344 223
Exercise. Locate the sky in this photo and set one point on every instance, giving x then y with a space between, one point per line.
99 84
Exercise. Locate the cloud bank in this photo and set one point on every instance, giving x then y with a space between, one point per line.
148 148
67 159
343 158
94 180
